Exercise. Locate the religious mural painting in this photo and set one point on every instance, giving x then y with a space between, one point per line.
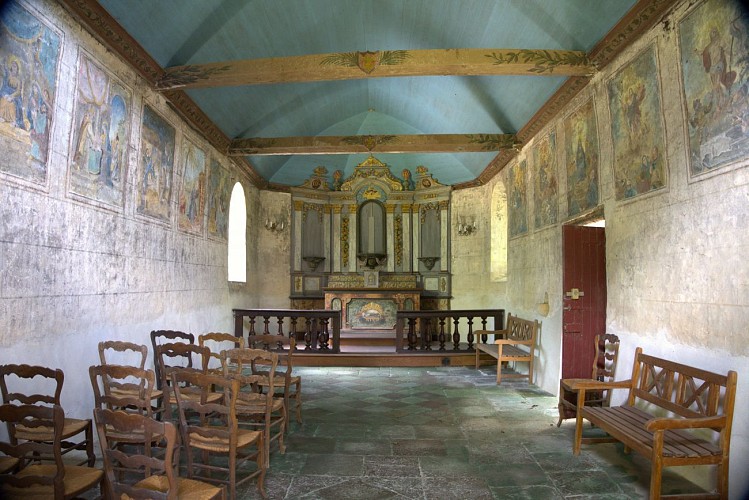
191 199
101 132
217 203
637 127
545 185
714 45
582 157
518 224
155 166
29 56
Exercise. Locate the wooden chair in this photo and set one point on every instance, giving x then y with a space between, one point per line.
217 342
159 478
256 410
159 337
284 379
177 357
34 378
35 480
604 367
117 352
211 429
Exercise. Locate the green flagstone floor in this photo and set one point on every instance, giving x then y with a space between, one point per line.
442 433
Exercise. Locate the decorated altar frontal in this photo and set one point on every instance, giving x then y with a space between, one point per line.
371 308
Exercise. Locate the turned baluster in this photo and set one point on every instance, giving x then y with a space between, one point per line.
456 329
266 324
292 328
441 337
324 335
308 334
456 335
280 320
411 334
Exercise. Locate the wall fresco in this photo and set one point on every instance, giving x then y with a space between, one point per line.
29 55
637 127
714 43
101 132
518 223
191 200
217 204
582 156
155 166
545 185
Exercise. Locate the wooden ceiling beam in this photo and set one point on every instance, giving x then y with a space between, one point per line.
378 64
357 144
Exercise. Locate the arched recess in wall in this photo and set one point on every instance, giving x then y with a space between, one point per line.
499 233
237 244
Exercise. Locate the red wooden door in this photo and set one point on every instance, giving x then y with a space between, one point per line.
584 311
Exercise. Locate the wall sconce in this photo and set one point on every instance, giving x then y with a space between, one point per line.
467 228
276 225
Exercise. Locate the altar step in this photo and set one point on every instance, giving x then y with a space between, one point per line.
377 349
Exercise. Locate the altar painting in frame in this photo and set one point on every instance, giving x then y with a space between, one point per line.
191 200
101 132
582 157
217 204
545 181
372 313
155 166
518 223
29 56
637 127
714 46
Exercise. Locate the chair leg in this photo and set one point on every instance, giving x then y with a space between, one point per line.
298 398
90 444
499 371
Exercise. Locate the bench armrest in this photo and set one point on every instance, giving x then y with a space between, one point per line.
664 423
478 333
589 383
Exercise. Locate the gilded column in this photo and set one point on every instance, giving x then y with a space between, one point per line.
352 239
327 264
406 217
444 234
336 239
297 251
390 231
416 231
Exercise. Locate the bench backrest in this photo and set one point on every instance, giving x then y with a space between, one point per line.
681 389
521 329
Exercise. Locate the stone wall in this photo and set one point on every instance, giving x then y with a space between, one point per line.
73 273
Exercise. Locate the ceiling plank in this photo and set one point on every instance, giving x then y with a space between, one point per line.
378 64
355 144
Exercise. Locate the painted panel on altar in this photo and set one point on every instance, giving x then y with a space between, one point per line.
371 313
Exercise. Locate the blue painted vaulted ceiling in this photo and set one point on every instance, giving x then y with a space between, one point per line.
182 32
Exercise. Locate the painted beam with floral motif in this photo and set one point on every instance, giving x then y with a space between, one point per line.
354 144
378 64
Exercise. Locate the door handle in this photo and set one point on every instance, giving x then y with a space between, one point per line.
568 308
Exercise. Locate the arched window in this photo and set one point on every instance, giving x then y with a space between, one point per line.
499 233
237 265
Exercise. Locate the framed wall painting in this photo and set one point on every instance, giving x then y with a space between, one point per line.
153 181
637 127
582 157
29 58
191 198
217 203
714 56
518 199
97 166
545 185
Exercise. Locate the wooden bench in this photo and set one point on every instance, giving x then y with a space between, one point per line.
675 415
506 347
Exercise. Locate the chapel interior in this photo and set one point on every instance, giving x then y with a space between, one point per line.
580 164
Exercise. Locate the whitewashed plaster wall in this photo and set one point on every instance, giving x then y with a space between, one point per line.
273 252
72 274
677 273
